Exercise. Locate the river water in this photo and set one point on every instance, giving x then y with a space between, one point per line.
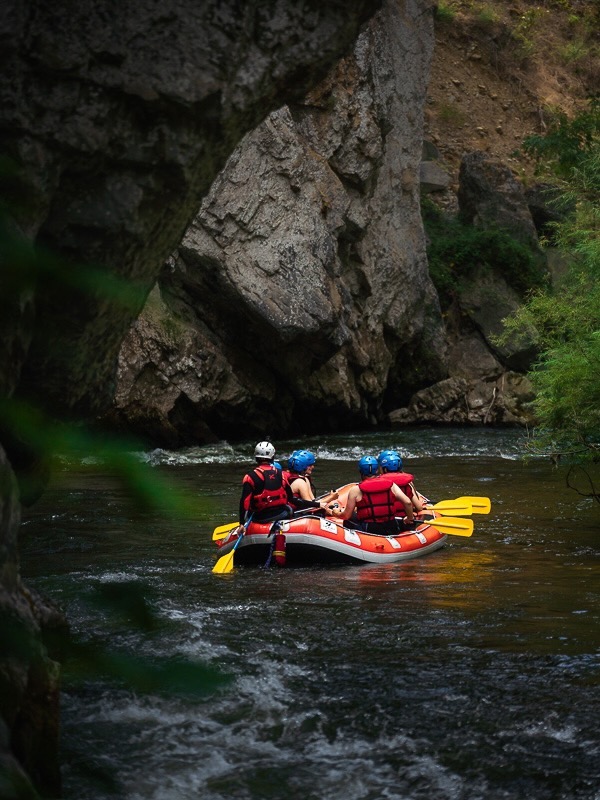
469 674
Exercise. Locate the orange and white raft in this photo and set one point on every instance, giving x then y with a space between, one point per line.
311 540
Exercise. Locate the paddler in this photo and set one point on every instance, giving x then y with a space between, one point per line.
390 465
301 464
265 491
375 499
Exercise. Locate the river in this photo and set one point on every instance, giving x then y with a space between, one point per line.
469 674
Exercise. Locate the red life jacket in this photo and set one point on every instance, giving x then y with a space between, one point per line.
402 480
377 503
268 487
292 476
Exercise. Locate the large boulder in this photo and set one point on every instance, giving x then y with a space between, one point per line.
117 118
489 195
505 400
303 280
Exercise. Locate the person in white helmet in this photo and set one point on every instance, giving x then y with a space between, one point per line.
265 491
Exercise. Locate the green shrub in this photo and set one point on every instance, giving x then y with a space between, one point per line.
567 319
574 51
457 252
444 12
451 114
486 14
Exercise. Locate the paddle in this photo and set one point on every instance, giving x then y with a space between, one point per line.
458 508
225 563
481 505
222 531
453 526
450 525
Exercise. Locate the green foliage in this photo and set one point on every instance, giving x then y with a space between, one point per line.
568 317
566 146
525 28
444 12
129 607
24 268
566 379
38 439
457 252
574 51
486 13
451 114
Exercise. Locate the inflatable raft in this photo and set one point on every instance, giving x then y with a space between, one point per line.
324 539
310 540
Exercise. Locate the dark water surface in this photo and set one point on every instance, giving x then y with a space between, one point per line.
472 673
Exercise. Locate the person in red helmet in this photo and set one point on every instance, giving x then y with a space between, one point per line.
374 500
266 493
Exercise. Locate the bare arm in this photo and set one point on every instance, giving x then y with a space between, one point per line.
301 488
417 499
405 500
353 496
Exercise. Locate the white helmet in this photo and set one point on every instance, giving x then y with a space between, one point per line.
264 450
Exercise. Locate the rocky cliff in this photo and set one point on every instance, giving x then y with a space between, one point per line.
300 293
299 299
115 119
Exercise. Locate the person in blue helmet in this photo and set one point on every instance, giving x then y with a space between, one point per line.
390 465
374 500
301 464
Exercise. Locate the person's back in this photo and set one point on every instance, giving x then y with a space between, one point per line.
376 503
390 464
374 500
266 493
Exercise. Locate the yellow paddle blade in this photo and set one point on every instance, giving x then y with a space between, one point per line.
222 531
225 563
481 505
458 508
452 525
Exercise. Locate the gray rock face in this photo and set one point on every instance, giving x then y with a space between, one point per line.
29 682
462 401
433 178
490 300
118 117
303 280
484 385
115 118
489 195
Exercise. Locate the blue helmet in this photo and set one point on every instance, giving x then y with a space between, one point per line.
301 460
368 465
277 465
390 460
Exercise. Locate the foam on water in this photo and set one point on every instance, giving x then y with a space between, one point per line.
211 751
505 443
